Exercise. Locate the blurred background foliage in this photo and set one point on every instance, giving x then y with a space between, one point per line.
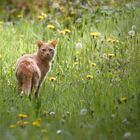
65 9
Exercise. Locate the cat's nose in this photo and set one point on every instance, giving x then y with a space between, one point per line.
48 54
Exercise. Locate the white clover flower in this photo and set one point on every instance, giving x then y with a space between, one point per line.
59 131
83 111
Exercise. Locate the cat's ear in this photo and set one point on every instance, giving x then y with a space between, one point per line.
54 43
40 43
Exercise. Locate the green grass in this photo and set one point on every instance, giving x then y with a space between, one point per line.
113 78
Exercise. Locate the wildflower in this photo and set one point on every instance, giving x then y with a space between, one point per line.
76 63
104 56
83 111
133 27
113 115
127 135
66 30
58 131
52 79
63 32
123 99
131 33
12 126
52 113
37 122
21 93
55 5
125 121
22 116
20 16
68 113
89 77
25 123
40 17
112 40
93 64
50 26
44 15
62 8
43 130
95 34
62 121
111 55
78 45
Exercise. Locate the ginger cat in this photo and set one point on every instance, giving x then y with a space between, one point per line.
31 69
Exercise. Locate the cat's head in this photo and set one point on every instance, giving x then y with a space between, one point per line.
46 51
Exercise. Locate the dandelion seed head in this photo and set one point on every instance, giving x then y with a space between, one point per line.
134 27
83 111
127 135
52 113
78 45
131 33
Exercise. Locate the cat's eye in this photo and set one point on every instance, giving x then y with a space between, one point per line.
43 50
50 49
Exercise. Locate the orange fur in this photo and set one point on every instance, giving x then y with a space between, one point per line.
31 69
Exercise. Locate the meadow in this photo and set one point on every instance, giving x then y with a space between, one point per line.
93 89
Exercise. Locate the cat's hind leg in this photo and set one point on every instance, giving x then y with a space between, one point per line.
36 83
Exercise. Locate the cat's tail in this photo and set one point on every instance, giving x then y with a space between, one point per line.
27 85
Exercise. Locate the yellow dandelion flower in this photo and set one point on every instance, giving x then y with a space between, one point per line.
44 15
76 63
112 40
20 16
123 99
93 64
19 123
12 126
36 123
89 77
111 55
25 123
63 32
52 78
66 30
50 26
43 130
40 17
95 34
22 116
62 8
